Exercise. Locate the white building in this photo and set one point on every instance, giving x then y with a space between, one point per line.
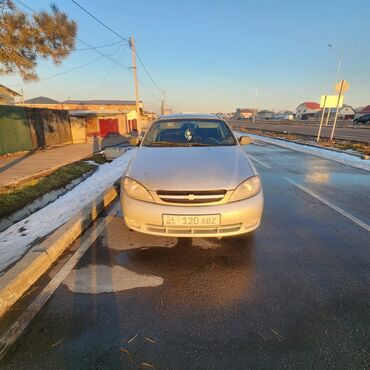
346 112
7 96
307 110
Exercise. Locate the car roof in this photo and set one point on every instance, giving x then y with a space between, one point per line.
189 116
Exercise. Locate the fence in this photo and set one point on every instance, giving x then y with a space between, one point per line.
14 130
24 128
48 127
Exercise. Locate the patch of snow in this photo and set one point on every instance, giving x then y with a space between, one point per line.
343 158
17 239
91 162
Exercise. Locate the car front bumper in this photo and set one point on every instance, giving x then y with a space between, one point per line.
236 217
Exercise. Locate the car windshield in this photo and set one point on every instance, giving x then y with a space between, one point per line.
189 133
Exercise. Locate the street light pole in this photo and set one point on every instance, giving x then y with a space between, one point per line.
340 57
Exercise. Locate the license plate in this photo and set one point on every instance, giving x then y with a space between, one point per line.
195 220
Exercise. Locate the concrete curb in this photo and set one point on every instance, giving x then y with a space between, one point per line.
359 155
19 278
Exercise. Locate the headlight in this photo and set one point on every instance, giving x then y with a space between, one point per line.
246 189
135 190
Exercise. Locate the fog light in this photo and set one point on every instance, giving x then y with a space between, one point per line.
251 222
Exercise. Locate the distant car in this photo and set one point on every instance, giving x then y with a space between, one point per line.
363 119
190 177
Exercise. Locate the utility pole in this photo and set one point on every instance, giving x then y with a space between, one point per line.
134 69
255 108
164 104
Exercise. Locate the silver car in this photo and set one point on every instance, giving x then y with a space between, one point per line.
190 177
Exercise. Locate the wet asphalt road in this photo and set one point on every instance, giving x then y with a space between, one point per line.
294 294
360 133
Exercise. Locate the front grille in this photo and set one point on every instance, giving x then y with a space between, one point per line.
194 231
191 197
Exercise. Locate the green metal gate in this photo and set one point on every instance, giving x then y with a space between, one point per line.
15 134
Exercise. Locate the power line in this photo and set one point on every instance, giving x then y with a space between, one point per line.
147 72
64 72
116 62
107 75
123 38
99 47
25 6
98 20
104 55
147 89
83 42
71 69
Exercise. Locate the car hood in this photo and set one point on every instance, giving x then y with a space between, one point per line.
184 168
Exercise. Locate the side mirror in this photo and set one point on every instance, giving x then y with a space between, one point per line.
245 140
134 141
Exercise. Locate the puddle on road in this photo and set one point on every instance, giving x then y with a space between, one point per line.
96 279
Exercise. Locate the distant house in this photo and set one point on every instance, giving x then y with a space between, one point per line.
7 96
285 116
346 112
307 110
244 113
265 114
360 112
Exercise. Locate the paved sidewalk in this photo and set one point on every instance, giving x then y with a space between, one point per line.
17 168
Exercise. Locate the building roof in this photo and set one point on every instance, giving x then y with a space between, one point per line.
265 111
42 100
96 112
10 91
287 113
366 109
245 110
341 110
100 102
312 105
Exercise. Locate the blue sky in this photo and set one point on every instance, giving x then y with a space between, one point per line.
207 54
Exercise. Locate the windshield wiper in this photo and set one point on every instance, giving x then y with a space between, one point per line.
163 143
197 144
171 143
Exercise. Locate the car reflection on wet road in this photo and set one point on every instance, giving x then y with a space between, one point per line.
294 294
